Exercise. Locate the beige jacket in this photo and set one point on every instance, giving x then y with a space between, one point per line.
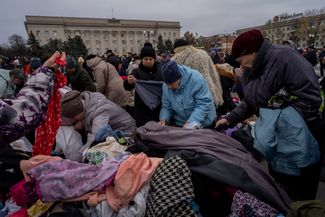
108 81
199 60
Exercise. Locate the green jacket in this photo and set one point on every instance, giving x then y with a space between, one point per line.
80 80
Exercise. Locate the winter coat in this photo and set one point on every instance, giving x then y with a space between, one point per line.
283 138
108 81
199 60
100 111
277 67
80 80
142 113
311 57
7 89
133 65
226 160
192 101
27 111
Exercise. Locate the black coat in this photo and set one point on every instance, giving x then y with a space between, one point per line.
311 57
275 68
143 114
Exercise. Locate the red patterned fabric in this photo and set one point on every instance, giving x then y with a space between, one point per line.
45 133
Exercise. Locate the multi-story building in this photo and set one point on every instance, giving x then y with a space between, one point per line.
221 41
99 35
303 30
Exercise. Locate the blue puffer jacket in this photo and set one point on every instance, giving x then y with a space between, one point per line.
283 138
192 101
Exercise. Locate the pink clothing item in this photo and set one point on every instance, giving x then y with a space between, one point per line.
45 133
26 165
131 176
17 193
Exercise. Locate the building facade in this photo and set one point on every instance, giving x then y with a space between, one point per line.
99 34
221 41
303 30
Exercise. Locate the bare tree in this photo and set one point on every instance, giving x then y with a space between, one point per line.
189 36
17 44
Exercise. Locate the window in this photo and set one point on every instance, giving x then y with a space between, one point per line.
38 33
131 34
96 35
114 34
97 42
122 35
98 50
131 41
55 33
114 42
174 34
169 34
123 41
105 35
46 33
132 49
165 34
139 41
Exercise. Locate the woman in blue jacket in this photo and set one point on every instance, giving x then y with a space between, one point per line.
186 99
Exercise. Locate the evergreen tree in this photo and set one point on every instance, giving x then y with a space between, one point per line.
169 45
75 47
161 46
34 45
53 45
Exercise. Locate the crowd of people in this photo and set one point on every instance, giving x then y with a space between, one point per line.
120 130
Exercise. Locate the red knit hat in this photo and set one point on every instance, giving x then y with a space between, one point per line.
247 43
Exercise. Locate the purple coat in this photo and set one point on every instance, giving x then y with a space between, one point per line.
28 110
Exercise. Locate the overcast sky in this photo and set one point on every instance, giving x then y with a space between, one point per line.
206 17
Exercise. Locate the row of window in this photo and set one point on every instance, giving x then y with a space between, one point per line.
122 34
114 42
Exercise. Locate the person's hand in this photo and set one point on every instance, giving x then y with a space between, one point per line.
51 61
131 79
221 124
79 125
163 123
186 125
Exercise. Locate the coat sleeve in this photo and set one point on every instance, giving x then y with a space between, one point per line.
25 113
99 75
166 110
127 86
298 78
239 114
203 102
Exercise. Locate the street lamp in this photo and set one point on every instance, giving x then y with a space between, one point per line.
147 34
